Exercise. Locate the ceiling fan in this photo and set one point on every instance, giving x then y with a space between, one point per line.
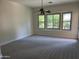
42 11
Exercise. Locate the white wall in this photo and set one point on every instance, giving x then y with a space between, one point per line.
70 7
15 21
78 21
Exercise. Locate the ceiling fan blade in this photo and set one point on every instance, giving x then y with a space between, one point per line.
48 11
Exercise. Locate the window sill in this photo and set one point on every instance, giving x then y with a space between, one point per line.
62 30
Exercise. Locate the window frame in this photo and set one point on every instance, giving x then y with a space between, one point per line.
70 21
52 25
60 22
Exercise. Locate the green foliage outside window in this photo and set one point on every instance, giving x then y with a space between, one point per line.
41 21
54 21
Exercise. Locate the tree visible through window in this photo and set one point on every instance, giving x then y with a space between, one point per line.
41 21
55 21
67 21
49 21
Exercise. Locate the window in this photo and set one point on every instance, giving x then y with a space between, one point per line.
41 21
67 21
53 21
49 21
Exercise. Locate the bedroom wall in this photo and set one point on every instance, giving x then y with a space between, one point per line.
70 7
15 21
78 21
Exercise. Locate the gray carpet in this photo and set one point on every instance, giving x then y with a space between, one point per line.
42 47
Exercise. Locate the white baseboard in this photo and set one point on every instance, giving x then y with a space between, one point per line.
13 40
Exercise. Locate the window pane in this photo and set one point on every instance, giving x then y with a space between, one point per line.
56 20
56 25
67 17
49 21
41 21
66 25
66 20
53 21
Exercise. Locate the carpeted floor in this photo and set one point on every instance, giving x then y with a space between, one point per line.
42 47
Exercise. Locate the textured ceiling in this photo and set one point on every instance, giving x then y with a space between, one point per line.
37 3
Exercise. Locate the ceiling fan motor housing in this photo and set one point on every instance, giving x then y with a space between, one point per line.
42 11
